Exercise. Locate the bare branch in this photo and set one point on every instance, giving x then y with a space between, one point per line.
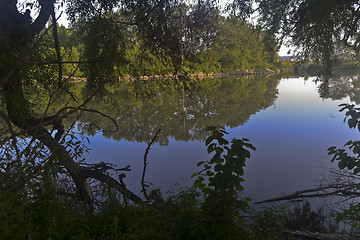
98 112
87 172
319 192
146 163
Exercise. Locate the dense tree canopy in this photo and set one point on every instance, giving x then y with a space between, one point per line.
231 44
314 26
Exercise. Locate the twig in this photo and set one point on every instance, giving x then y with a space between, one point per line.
335 190
73 109
146 163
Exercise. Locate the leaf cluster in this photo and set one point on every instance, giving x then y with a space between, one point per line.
346 161
220 181
349 158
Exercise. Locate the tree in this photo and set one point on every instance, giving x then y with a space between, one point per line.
31 63
18 34
313 26
174 29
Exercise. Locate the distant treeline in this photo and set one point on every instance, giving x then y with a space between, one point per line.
234 45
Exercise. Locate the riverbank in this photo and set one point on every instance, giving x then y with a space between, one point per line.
230 74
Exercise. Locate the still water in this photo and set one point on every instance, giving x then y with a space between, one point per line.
290 121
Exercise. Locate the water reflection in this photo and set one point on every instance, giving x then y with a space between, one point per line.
291 136
181 109
339 87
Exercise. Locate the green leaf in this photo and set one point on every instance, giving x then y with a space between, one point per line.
219 150
249 145
352 123
209 140
217 135
211 148
216 158
222 130
239 187
197 184
200 163
333 158
223 141
341 165
209 173
331 150
343 108
356 149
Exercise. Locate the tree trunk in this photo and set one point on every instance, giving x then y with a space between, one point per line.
15 34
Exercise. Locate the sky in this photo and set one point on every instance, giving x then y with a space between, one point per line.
284 51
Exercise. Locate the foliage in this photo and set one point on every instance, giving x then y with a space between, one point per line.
351 162
304 218
350 159
220 181
217 211
314 27
231 45
269 222
239 47
212 213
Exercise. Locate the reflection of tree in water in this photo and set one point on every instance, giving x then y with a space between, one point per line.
183 109
339 87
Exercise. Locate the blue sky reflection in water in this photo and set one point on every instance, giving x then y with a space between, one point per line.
291 137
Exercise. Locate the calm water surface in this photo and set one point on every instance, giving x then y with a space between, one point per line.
285 119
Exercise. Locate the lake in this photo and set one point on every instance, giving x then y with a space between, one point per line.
290 121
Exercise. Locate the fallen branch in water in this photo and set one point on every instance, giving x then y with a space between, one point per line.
342 184
320 236
342 190
102 177
145 164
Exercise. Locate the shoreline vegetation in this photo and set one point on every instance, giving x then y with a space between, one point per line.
236 47
310 69
200 75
